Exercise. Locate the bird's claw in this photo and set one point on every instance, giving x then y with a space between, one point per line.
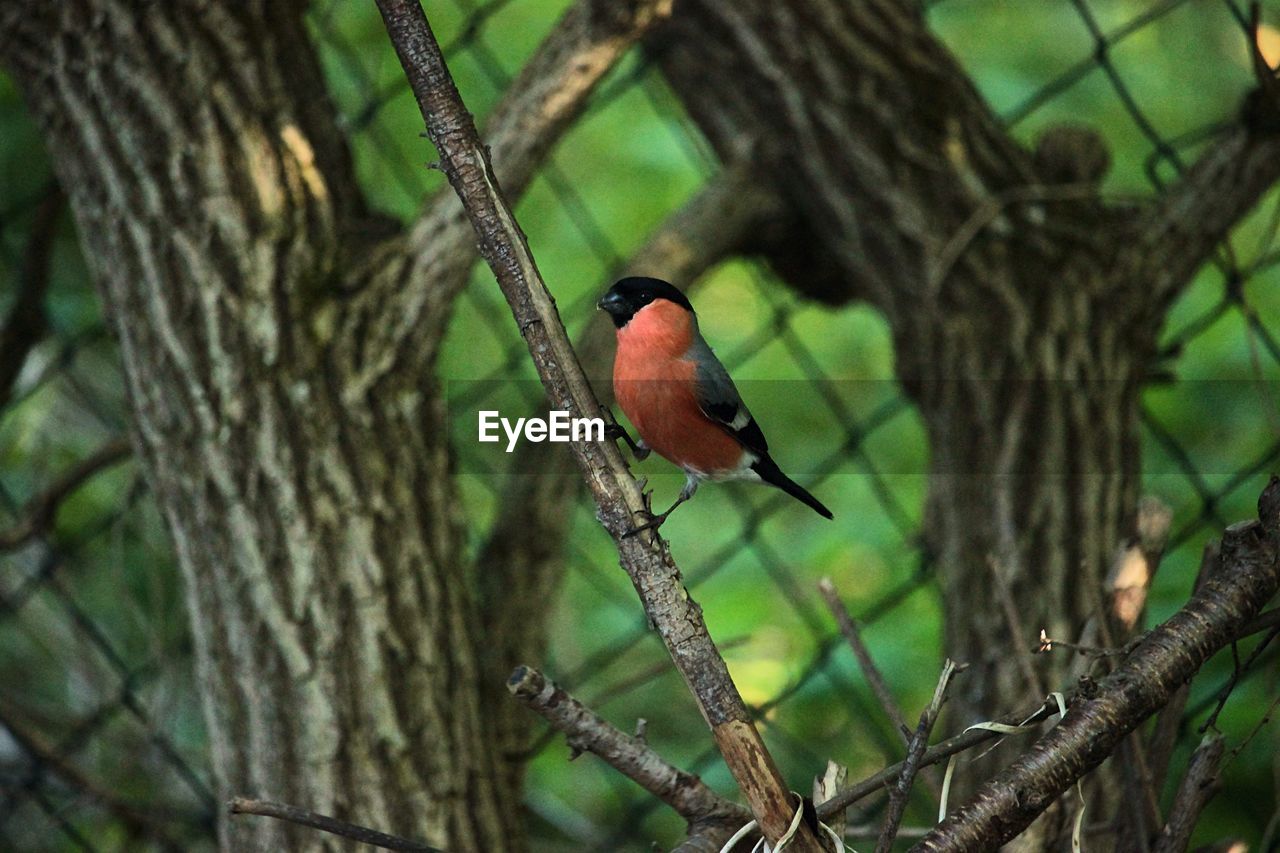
614 431
652 524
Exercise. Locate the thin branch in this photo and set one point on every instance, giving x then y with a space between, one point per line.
954 745
39 512
1236 671
1169 655
849 628
418 274
1048 644
1198 786
1192 217
1262 723
526 540
324 823
915 751
587 731
646 560
1017 629
1261 622
1169 723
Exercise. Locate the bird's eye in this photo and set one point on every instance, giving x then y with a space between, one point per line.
646 298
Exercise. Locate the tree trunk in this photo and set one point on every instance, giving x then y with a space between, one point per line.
336 634
1024 311
278 356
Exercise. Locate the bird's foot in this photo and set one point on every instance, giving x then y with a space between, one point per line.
654 522
614 431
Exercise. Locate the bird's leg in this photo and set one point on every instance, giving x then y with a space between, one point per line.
690 486
614 430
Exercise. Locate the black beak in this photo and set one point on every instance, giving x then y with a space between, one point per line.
613 302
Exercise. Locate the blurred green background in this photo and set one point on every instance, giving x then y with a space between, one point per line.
93 650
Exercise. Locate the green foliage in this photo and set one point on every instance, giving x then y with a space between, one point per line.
752 558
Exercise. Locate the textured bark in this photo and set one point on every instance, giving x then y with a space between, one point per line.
300 460
1024 310
334 627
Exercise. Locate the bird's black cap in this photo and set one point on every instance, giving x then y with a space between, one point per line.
629 295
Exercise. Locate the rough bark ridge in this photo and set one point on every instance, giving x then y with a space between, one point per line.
1023 309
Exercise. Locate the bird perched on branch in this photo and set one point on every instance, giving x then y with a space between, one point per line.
680 398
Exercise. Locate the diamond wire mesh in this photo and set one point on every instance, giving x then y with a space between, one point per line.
98 720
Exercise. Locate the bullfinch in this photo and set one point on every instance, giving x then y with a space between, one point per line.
680 398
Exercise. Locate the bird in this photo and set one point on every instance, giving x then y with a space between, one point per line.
679 397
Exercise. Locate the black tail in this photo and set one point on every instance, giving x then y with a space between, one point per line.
772 474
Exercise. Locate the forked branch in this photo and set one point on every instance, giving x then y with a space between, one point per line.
629 755
1170 654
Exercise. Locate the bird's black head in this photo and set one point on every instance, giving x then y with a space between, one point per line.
629 295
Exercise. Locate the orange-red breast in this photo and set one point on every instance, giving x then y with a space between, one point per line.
679 396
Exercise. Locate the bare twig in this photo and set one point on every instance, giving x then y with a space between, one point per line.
586 731
1127 585
1017 629
915 751
39 512
849 628
1169 655
648 563
1236 671
324 823
870 832
1198 786
1048 644
430 263
881 780
1262 622
1262 723
1175 236
523 551
1169 723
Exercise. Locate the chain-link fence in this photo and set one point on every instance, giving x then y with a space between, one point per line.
101 738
